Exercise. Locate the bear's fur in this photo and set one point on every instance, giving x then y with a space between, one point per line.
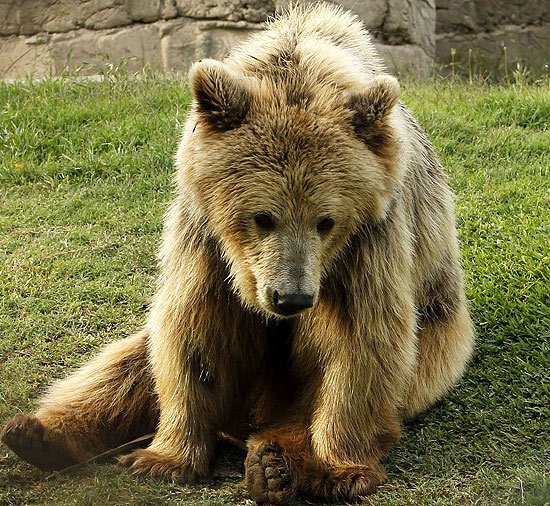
302 180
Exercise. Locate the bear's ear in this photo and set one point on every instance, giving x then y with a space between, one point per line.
371 106
222 97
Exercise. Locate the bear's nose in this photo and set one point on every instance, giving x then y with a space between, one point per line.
291 303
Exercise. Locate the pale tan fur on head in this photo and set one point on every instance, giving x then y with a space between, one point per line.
286 142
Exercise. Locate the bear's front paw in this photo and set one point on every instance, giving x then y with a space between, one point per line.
345 484
150 462
33 442
268 475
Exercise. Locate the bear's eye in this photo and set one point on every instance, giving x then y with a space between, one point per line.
325 225
264 221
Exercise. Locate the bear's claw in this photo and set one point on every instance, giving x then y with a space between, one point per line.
268 476
30 440
151 463
346 484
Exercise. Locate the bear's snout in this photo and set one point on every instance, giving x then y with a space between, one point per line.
291 303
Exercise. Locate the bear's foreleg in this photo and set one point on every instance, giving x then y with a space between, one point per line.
356 414
329 448
189 411
195 326
198 397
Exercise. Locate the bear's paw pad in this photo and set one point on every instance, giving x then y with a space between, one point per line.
268 477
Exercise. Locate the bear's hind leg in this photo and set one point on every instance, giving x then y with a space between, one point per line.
445 342
33 442
107 402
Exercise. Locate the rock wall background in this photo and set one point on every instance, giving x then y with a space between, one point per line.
45 37
486 26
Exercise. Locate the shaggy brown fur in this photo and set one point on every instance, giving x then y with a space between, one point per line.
302 181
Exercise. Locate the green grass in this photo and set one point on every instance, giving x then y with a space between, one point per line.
85 176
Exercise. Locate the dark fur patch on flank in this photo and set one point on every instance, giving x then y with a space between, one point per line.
441 296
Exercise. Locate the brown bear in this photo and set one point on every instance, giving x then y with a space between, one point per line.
310 279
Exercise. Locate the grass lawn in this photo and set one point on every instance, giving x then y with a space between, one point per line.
85 177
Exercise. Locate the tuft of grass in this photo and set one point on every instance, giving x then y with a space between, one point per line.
85 177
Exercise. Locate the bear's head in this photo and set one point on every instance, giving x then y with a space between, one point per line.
283 175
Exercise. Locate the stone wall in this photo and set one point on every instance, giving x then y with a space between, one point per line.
43 37
486 26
